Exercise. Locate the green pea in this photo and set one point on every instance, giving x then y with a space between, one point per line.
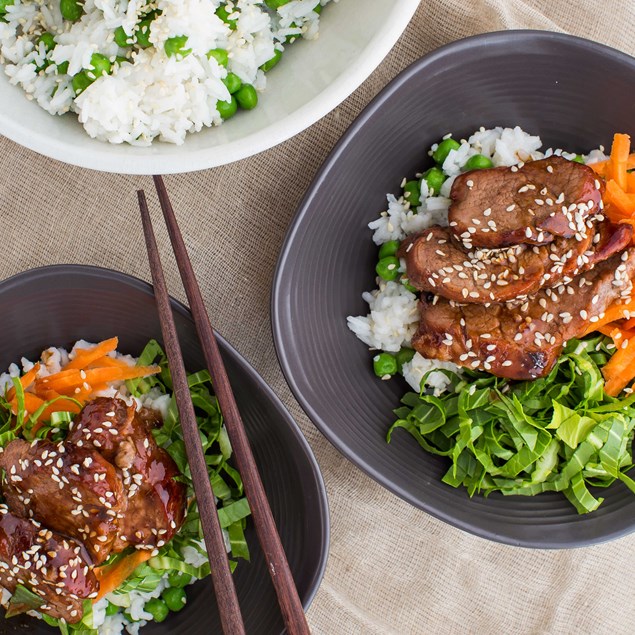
122 39
157 608
220 55
62 68
71 10
143 33
175 46
112 609
247 97
81 82
227 109
223 14
175 598
100 65
269 64
412 193
406 283
233 83
276 4
384 364
435 178
444 148
48 39
4 4
578 158
478 162
388 268
404 356
389 249
178 579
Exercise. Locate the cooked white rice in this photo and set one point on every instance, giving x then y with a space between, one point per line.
393 317
148 95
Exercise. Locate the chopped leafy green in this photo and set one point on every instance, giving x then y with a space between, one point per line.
22 601
558 433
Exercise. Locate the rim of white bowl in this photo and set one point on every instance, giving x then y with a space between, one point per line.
95 158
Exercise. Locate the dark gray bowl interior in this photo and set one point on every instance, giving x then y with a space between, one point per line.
58 305
572 92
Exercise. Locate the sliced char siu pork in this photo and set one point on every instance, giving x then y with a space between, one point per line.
45 563
438 263
499 207
51 566
521 342
69 489
156 502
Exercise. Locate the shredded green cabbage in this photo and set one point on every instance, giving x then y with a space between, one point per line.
559 433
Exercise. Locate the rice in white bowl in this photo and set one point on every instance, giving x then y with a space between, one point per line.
148 94
394 317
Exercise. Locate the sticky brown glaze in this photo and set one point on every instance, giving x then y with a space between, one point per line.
500 207
55 568
156 501
438 263
69 489
522 342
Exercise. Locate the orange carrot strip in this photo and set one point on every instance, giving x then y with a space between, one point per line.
66 381
619 158
619 371
110 362
616 195
31 403
86 356
112 576
630 182
26 380
629 324
600 168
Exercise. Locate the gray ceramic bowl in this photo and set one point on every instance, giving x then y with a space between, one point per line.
572 92
58 305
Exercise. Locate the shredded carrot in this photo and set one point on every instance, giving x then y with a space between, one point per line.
85 357
67 381
620 369
619 158
617 196
110 362
26 380
112 576
628 324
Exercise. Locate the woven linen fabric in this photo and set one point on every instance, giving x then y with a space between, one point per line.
392 569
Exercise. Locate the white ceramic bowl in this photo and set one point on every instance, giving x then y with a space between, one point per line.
313 78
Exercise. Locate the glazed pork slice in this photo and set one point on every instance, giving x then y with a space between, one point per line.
55 568
156 501
499 207
522 342
438 263
69 489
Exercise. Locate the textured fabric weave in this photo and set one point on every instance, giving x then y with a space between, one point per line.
392 568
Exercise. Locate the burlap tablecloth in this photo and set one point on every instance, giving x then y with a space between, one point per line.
392 568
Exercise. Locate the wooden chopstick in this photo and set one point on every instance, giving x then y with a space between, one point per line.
231 618
277 564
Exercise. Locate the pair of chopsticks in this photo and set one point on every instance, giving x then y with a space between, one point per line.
231 617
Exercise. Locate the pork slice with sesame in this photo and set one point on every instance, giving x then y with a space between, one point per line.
522 341
156 500
69 489
436 262
55 568
499 207
51 566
